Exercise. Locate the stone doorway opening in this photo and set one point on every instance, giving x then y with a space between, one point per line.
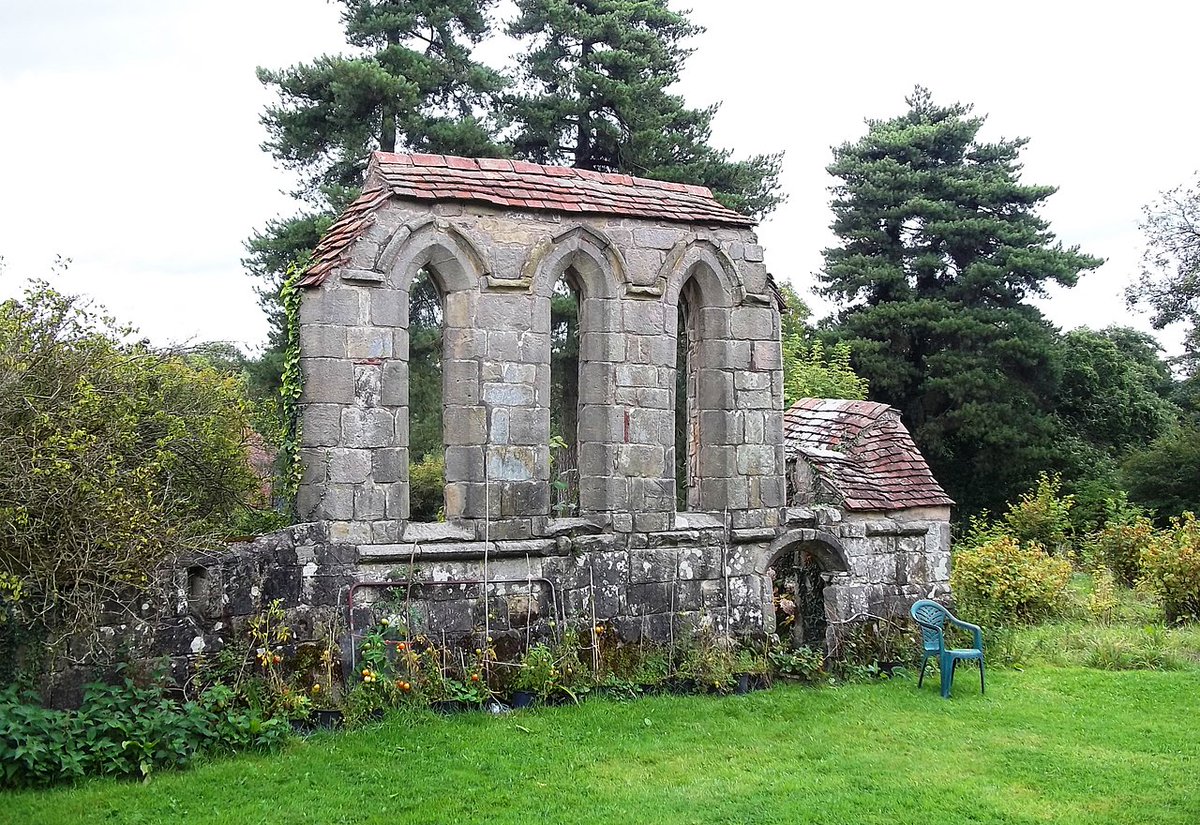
798 586
800 572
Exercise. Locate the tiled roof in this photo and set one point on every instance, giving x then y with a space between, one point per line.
862 451
519 185
512 184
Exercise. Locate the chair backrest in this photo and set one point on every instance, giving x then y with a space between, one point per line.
931 617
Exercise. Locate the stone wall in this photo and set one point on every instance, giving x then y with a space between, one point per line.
496 270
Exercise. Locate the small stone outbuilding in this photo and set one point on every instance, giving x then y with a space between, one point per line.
856 473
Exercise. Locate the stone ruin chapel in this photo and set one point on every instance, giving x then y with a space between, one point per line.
696 501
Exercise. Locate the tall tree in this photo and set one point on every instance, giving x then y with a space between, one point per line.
940 246
1170 281
595 95
410 83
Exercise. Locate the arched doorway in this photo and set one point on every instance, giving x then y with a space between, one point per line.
803 562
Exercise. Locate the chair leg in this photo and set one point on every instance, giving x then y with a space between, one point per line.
921 678
947 665
981 688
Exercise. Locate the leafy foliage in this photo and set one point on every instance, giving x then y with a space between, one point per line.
1170 282
1004 582
426 485
1162 477
113 456
122 729
1171 568
940 246
1042 516
1120 545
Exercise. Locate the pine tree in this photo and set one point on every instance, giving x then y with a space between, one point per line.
409 85
596 96
941 245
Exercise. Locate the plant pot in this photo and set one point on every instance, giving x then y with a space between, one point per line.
524 699
302 727
327 719
742 686
683 687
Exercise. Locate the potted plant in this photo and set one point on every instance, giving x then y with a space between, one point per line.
536 678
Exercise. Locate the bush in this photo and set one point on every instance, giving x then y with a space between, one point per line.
1042 516
113 456
1171 568
1000 581
120 730
1119 546
427 484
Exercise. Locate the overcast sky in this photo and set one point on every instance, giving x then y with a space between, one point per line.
130 138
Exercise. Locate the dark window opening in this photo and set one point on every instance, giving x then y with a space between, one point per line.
426 450
564 396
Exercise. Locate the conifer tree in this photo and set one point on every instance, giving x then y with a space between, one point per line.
410 84
595 96
940 246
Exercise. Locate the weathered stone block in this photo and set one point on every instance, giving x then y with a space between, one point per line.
651 427
655 238
331 305
394 384
369 502
753 324
602 346
756 459
604 493
368 380
461 382
504 311
389 308
641 460
322 341
328 380
464 463
389 464
374 427
369 342
509 395
465 426
514 463
349 465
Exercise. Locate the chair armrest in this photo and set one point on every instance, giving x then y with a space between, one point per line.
976 631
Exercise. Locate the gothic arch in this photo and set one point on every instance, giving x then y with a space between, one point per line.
713 271
595 258
434 242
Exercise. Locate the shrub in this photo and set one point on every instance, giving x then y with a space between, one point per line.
1119 547
427 484
1042 516
1001 581
1171 568
121 730
113 456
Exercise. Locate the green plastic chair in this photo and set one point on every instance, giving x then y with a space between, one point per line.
932 618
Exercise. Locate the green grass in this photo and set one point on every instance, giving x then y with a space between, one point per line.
1048 744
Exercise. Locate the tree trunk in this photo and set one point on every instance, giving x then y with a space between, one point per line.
583 137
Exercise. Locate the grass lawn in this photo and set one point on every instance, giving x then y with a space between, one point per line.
1047 744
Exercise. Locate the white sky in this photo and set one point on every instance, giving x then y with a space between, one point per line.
130 135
